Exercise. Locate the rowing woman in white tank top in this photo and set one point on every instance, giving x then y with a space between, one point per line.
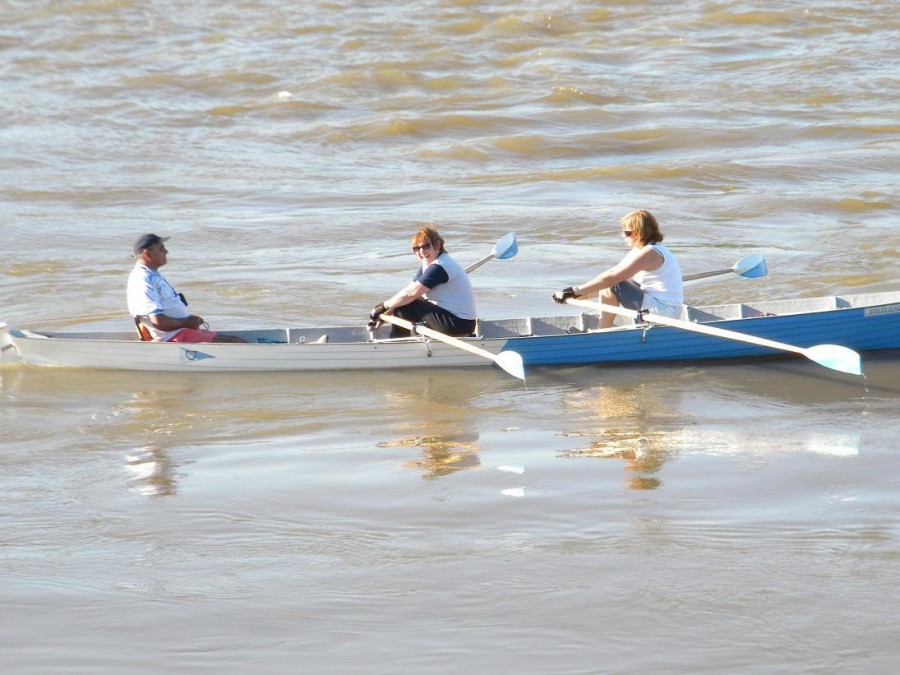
648 277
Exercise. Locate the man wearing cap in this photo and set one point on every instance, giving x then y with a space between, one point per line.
156 306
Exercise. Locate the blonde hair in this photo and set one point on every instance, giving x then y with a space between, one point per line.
430 235
643 225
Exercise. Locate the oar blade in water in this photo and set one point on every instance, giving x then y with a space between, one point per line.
835 357
512 363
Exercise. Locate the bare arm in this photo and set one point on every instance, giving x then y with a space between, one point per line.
406 295
167 323
636 260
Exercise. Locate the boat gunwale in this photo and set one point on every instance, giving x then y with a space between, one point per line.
587 322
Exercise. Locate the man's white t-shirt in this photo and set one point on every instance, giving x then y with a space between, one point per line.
149 293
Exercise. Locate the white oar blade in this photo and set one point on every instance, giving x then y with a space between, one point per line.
512 363
751 267
506 247
835 357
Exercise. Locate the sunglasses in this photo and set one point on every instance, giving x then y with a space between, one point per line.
627 233
424 247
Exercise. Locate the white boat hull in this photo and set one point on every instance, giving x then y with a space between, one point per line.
125 352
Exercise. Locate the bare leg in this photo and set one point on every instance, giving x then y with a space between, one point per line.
607 297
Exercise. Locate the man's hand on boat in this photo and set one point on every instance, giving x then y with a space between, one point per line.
167 323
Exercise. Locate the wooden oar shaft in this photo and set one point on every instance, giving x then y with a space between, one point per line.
688 325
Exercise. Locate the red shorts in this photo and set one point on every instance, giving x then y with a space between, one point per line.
193 335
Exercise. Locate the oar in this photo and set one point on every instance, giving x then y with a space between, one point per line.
750 266
831 356
505 248
510 361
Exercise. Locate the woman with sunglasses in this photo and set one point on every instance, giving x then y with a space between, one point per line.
440 295
648 277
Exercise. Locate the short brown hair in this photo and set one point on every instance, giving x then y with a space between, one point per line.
644 226
430 235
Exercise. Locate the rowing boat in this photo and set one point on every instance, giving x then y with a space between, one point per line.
861 322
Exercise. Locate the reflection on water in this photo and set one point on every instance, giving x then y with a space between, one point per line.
441 455
838 445
152 472
630 423
771 438
149 416
764 412
438 419
10 377
644 454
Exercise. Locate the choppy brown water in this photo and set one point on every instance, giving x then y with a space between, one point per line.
674 519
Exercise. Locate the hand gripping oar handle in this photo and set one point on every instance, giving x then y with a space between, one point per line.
509 361
835 357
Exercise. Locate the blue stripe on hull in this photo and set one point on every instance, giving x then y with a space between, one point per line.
849 328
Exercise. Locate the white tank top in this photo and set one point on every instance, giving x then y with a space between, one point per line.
664 284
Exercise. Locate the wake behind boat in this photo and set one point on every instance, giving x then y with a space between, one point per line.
860 322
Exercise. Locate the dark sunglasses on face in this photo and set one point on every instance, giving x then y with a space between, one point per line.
424 247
